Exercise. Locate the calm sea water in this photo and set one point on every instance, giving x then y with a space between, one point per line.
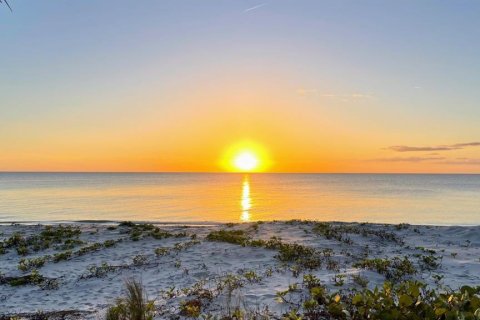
185 197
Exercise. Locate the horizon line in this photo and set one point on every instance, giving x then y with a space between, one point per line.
230 172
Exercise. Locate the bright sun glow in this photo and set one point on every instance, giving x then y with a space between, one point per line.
246 161
245 156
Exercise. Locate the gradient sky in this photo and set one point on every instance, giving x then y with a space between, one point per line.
323 86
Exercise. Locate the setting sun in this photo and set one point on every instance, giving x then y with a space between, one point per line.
245 156
246 161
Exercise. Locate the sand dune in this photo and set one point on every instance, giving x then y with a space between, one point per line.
73 279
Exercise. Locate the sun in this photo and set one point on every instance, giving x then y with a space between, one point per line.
245 156
246 161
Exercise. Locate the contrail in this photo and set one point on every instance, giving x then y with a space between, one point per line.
6 2
255 7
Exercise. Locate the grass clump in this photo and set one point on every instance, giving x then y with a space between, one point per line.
133 306
230 236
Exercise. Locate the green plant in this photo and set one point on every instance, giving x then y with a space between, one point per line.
57 257
393 269
134 306
339 280
140 260
251 276
191 308
360 280
28 264
162 251
229 236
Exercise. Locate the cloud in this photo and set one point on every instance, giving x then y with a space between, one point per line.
343 97
457 146
348 96
409 149
409 159
469 144
255 7
463 161
305 92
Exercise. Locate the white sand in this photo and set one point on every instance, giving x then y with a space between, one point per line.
209 261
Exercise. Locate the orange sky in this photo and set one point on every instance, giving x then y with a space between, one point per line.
319 88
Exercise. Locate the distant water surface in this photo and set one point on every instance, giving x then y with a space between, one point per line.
188 197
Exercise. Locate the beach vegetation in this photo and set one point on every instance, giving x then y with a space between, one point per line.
62 256
26 264
134 305
191 308
63 235
393 269
90 248
162 251
140 260
100 271
230 236
360 280
251 276
339 280
109 243
310 281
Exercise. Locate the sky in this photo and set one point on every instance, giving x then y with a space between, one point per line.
174 85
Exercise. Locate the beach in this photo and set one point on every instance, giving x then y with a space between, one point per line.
77 270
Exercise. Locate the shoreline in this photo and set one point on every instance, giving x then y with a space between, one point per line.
216 223
81 268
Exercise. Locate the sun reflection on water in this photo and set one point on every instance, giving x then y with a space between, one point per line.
246 201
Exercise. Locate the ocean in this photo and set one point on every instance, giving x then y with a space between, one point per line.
440 199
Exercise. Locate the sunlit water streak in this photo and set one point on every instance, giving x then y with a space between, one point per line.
246 202
432 199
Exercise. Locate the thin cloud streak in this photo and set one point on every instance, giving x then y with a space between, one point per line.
255 7
354 96
457 146
463 161
409 159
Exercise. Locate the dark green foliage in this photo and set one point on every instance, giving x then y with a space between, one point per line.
70 244
109 243
89 248
32 263
140 230
339 232
229 236
129 224
100 271
57 257
34 278
63 235
405 301
393 269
